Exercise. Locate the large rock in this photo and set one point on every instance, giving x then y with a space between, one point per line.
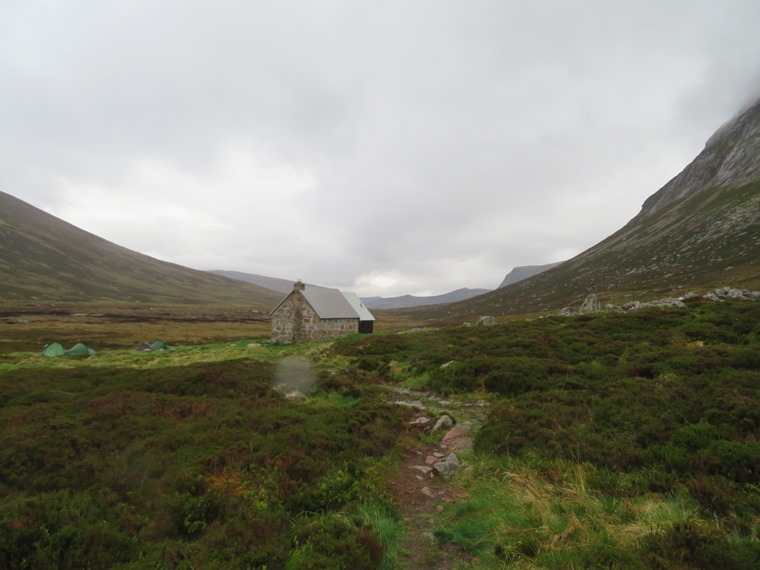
667 302
590 305
486 321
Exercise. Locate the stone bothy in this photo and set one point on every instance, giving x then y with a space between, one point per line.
318 313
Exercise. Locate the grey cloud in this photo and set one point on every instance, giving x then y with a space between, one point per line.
438 134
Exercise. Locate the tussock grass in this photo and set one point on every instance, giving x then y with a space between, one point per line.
532 513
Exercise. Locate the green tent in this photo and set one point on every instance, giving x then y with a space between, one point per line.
79 349
159 345
54 348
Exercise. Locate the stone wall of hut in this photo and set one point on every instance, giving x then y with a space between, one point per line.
295 321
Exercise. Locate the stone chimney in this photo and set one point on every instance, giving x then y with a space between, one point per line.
298 286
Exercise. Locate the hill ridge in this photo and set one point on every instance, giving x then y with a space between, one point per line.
45 258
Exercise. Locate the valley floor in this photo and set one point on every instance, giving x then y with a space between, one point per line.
609 440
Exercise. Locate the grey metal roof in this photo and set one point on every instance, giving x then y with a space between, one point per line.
358 305
329 303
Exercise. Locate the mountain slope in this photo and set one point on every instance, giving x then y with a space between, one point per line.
524 271
272 283
701 230
45 258
405 301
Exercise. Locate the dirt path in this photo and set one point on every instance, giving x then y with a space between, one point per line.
423 497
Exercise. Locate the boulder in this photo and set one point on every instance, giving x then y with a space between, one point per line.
667 302
590 305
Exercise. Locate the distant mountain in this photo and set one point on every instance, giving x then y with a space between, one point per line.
525 271
406 301
699 231
272 283
47 259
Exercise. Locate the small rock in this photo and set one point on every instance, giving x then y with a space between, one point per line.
420 421
427 492
425 469
444 422
453 459
439 508
430 459
416 404
253 345
445 469
294 395
486 321
430 536
447 364
455 432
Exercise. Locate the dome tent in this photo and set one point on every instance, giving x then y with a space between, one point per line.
54 348
79 349
158 345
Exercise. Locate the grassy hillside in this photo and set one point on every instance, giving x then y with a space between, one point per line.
46 259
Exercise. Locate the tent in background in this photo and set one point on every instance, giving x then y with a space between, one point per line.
79 349
54 348
158 345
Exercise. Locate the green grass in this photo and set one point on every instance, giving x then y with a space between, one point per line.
187 458
546 514
611 440
623 440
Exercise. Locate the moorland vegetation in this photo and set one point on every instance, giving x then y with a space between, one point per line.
612 440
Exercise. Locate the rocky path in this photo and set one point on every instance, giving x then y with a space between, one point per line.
425 487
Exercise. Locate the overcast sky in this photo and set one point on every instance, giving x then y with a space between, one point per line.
384 147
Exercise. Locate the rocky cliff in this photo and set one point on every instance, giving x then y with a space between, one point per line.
524 271
731 157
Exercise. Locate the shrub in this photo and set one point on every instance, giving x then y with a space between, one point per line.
688 544
333 541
